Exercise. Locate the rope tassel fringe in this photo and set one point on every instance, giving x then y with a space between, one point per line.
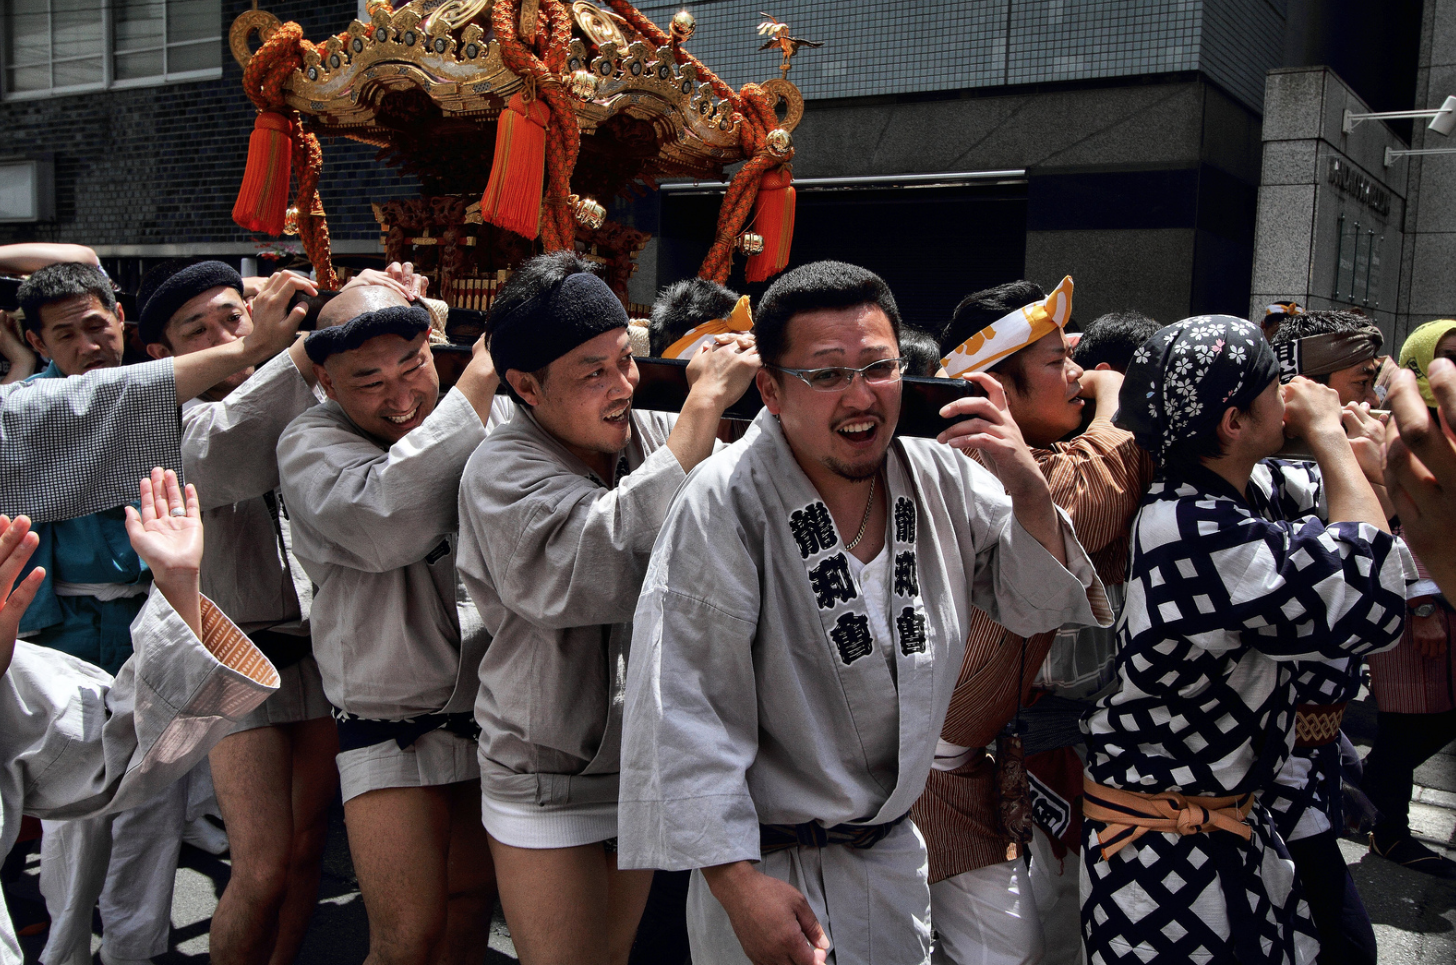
263 198
512 198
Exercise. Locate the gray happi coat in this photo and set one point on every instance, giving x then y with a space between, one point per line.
375 528
75 743
554 558
757 691
229 452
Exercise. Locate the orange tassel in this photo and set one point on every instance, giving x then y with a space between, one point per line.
263 198
512 198
774 219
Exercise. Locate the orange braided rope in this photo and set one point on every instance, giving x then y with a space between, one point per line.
263 81
313 224
754 106
563 135
758 120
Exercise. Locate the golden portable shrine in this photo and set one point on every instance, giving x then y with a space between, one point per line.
521 119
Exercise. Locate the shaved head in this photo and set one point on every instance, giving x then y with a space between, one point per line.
388 384
357 301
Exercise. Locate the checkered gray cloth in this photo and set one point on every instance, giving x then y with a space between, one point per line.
70 447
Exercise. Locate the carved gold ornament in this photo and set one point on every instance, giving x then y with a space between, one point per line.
683 25
583 84
454 14
787 93
779 142
249 22
589 214
750 243
600 26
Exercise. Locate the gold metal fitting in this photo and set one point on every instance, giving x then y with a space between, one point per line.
750 243
588 213
683 25
583 84
779 142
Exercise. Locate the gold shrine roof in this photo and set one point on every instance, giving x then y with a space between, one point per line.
444 49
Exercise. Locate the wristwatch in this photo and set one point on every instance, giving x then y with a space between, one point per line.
1425 610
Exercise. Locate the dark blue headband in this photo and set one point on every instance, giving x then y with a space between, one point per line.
406 321
180 289
540 332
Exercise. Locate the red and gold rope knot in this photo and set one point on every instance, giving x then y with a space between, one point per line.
264 80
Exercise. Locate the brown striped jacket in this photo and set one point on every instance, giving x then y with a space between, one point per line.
1099 478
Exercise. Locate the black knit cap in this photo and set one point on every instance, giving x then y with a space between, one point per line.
540 331
406 321
178 289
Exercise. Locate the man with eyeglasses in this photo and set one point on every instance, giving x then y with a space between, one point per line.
800 628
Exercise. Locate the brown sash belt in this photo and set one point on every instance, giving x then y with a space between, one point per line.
1317 724
1128 815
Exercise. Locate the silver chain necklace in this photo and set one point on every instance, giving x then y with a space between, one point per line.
869 504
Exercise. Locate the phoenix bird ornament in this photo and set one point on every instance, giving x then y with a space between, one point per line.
778 34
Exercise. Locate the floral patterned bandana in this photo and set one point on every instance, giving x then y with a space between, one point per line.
1183 378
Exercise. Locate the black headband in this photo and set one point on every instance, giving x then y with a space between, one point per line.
180 289
532 337
406 321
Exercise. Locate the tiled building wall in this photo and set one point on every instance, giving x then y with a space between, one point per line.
894 47
1242 42
871 46
162 165
1082 39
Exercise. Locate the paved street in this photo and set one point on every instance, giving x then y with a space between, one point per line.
1414 915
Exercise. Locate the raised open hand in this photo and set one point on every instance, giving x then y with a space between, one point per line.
17 542
987 425
167 533
724 368
1367 439
400 277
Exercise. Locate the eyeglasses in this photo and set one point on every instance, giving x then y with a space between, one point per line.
837 378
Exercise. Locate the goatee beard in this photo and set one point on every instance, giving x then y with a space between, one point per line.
858 473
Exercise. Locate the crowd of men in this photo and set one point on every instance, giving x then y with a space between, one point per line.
1062 684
